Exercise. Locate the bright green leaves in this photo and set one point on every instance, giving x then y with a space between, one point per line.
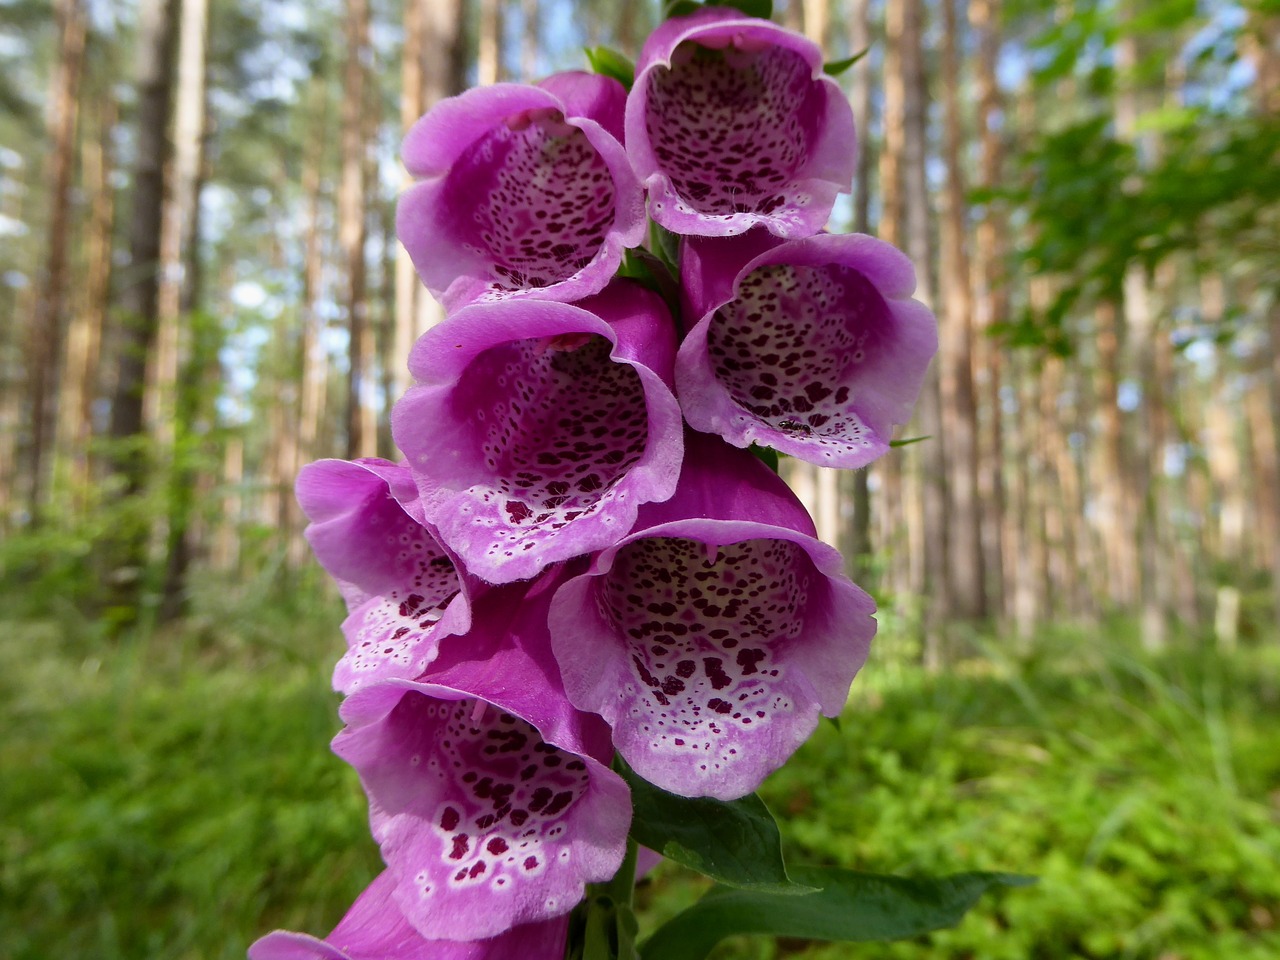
738 845
610 63
735 843
849 906
837 67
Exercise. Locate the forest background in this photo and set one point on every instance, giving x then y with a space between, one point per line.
1078 566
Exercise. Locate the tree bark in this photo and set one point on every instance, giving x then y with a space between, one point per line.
80 381
489 43
130 460
893 538
936 588
959 405
47 320
352 230
990 297
176 297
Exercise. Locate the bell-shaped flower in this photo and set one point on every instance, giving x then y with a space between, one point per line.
813 347
539 428
490 795
404 590
731 123
375 929
525 191
714 634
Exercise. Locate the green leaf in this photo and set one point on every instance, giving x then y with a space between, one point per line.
680 8
752 8
837 67
610 63
735 843
666 246
766 454
909 441
849 906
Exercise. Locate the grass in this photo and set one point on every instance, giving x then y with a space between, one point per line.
173 796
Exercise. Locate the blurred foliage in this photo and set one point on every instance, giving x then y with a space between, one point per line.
172 796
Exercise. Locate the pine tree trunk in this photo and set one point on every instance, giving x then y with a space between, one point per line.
1140 319
933 485
893 539
179 254
352 231
991 298
960 411
80 381
47 321
488 43
130 460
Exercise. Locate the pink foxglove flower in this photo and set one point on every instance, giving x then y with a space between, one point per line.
526 191
813 347
489 794
713 635
404 591
375 929
731 123
539 428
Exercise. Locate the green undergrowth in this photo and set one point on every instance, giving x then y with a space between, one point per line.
172 796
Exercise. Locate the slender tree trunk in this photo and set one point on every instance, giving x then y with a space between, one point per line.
351 227
1140 317
817 20
47 321
412 106
489 43
312 360
895 531
138 298
991 298
959 405
937 587
179 252
80 382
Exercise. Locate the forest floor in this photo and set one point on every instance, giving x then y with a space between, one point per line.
173 796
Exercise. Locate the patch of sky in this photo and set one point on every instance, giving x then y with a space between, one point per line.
1129 395
11 227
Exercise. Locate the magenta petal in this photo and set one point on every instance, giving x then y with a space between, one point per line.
404 591
732 123
375 929
591 96
813 347
540 428
487 790
711 638
523 192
